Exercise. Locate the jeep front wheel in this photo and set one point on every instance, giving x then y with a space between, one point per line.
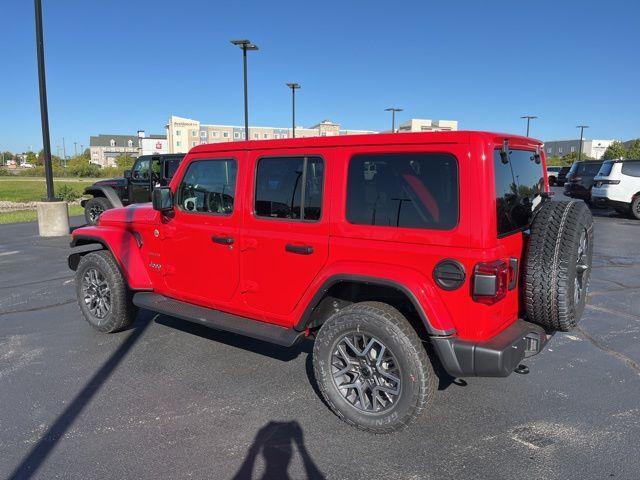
372 369
94 208
103 294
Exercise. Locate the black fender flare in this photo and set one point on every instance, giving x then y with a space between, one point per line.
104 191
335 279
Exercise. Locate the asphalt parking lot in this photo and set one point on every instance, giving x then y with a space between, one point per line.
167 399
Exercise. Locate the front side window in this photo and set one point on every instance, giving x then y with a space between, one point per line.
409 190
208 186
519 183
289 187
141 169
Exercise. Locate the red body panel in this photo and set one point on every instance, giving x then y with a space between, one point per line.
257 278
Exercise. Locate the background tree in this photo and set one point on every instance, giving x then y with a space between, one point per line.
5 157
80 167
615 150
32 158
633 152
125 161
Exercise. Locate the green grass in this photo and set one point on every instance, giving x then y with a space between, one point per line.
18 216
33 190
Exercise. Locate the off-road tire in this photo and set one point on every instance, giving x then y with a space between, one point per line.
95 203
635 208
122 312
385 323
551 265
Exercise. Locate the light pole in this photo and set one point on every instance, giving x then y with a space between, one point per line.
581 127
293 87
529 118
393 117
245 45
75 148
44 111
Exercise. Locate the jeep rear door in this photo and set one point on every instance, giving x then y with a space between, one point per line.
285 228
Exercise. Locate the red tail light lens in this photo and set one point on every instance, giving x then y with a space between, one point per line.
490 282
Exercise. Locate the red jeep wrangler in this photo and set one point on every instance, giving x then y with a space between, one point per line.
395 253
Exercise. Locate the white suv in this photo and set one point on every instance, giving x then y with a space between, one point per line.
617 185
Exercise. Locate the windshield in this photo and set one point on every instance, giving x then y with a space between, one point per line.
519 183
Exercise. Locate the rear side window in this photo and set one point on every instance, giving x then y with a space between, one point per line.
289 188
631 168
411 190
605 169
209 186
518 184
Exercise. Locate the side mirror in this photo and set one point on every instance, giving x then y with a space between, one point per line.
162 199
127 174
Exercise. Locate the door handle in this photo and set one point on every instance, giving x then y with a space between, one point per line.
222 240
299 249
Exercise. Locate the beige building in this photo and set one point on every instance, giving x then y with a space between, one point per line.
425 125
185 133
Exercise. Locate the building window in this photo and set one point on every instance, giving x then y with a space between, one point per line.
112 142
215 134
236 134
266 135
177 133
559 149
203 134
225 134
178 143
194 133
275 135
284 135
549 150
193 144
256 136
130 143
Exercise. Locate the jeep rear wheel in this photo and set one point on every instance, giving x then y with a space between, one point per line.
372 369
102 292
558 265
94 208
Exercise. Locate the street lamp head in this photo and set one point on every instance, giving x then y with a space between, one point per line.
392 109
582 126
530 117
293 85
245 44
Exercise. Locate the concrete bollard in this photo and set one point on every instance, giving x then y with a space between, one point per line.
53 219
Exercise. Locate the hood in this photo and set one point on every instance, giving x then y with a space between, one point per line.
136 213
111 182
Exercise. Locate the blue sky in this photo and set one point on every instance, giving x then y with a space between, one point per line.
118 66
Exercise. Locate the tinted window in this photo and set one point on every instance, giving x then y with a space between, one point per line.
415 190
141 169
208 186
284 184
518 183
631 168
591 169
605 169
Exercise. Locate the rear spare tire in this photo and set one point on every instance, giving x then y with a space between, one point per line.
558 264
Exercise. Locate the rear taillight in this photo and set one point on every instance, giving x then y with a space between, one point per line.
491 281
608 182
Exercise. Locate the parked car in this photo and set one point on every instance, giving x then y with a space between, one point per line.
135 187
617 185
552 175
580 179
562 176
393 253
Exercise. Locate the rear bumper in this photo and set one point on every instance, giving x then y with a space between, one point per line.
496 357
575 190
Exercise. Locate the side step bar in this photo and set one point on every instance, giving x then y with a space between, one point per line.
228 322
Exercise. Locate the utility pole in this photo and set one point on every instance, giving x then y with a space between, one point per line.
64 150
528 118
245 45
393 117
581 127
44 112
293 87
75 149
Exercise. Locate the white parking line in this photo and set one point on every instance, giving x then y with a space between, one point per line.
3 254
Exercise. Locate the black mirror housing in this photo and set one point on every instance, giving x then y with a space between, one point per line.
162 199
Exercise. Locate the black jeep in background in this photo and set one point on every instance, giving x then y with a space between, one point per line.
580 179
148 171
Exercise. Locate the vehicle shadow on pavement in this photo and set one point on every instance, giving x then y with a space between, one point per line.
39 453
235 340
276 442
